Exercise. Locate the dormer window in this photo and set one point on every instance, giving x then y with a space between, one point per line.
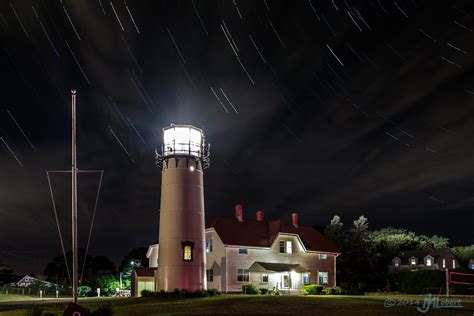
428 262
396 262
286 246
187 248
413 261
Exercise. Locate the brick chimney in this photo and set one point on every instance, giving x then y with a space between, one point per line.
239 210
260 216
294 219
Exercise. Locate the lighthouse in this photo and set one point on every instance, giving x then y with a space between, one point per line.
181 254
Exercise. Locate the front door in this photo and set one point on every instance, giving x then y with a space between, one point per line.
286 281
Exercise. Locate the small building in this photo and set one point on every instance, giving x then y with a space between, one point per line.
27 280
269 254
143 278
471 264
424 259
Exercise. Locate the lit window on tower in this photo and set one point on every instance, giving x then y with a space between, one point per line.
187 247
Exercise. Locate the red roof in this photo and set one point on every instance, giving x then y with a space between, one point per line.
145 271
255 233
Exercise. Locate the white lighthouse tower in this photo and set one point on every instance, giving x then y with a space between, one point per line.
181 253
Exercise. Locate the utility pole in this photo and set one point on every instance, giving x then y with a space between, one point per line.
74 199
447 282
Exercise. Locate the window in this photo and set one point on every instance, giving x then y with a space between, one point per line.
242 275
188 247
428 262
286 246
323 256
187 253
282 246
210 275
323 278
444 263
306 278
208 245
454 264
396 263
265 278
413 261
243 251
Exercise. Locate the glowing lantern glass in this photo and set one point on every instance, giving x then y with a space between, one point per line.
182 140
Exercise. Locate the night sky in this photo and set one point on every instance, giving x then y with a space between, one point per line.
322 107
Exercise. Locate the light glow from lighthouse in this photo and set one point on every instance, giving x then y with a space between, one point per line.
182 140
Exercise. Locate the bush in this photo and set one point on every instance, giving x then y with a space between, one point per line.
147 293
312 289
250 289
213 292
263 291
419 281
335 290
277 292
103 311
84 290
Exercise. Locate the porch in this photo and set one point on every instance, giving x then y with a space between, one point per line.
287 278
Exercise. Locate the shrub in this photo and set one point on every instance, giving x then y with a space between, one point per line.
103 311
263 291
419 281
335 290
277 292
213 292
147 293
250 289
84 290
312 289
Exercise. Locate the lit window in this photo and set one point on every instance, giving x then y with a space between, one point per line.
444 263
306 278
210 275
413 261
242 275
454 264
396 263
187 253
323 278
265 278
208 245
188 247
243 251
289 246
323 256
428 262
282 246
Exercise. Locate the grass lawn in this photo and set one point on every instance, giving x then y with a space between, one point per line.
241 305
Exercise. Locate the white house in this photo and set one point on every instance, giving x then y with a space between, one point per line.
27 280
269 254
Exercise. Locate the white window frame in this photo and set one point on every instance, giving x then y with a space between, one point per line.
245 251
265 275
323 256
282 245
306 276
429 262
210 275
209 245
244 273
324 276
